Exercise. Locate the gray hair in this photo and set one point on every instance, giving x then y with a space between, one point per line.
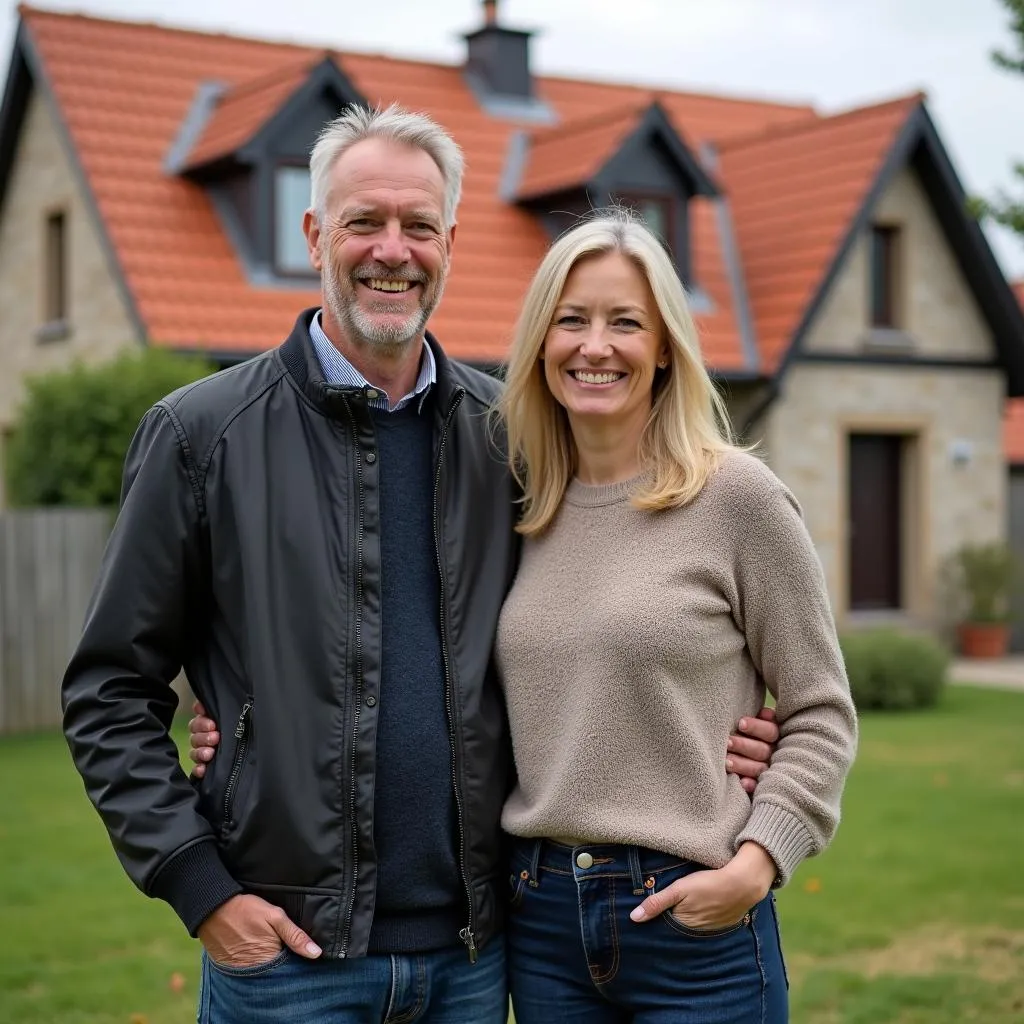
396 125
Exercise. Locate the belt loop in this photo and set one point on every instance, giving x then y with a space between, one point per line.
635 872
534 879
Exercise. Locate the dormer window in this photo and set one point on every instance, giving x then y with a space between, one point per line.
291 200
657 212
248 146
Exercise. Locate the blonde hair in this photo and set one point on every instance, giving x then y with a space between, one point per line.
688 429
395 125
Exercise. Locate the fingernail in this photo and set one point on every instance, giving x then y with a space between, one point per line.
729 763
729 744
313 949
638 914
743 723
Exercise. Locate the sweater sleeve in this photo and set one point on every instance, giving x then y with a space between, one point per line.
782 606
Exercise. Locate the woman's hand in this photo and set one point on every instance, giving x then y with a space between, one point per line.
203 738
710 900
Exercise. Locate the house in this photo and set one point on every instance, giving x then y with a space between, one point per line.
153 181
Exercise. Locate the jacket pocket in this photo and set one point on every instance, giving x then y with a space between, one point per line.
243 741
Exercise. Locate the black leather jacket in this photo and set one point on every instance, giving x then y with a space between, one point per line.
247 550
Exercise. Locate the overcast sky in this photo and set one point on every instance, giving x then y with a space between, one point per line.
832 53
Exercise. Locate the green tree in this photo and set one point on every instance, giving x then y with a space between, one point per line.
70 440
1003 208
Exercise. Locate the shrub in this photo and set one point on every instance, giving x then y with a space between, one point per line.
980 581
894 671
73 431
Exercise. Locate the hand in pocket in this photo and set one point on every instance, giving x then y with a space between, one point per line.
247 931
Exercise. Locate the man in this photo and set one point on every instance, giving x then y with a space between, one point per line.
322 537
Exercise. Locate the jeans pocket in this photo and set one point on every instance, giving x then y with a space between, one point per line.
778 937
252 971
516 887
706 933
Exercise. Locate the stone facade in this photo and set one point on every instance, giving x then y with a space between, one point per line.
954 474
43 181
948 502
938 314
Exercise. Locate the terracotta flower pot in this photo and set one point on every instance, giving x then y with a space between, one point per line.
984 639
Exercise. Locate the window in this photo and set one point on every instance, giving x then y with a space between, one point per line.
291 200
657 213
55 273
885 248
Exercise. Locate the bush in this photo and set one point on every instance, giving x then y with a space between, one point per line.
894 671
73 431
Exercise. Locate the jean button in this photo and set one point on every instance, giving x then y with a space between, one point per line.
584 860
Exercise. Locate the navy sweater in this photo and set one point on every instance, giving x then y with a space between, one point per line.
420 904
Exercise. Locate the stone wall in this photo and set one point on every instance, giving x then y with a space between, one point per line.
43 181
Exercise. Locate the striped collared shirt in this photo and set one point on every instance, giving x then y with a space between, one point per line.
341 373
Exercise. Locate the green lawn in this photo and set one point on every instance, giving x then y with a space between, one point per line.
915 915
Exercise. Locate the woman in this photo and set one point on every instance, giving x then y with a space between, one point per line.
666 579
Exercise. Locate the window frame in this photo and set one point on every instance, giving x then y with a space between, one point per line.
885 282
55 271
633 198
275 262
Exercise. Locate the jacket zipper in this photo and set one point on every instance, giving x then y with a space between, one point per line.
467 934
241 749
347 928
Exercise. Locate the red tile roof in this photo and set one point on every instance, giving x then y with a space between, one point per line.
571 153
123 89
243 110
795 191
1013 422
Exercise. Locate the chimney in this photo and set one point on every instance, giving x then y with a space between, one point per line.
498 58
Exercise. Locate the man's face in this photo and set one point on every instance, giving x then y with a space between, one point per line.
382 250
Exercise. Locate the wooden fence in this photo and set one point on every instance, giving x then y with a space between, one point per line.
48 564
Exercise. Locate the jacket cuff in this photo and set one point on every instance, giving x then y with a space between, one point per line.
195 883
782 834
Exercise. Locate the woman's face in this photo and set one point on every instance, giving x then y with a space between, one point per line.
605 343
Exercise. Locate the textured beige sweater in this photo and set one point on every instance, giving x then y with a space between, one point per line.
630 645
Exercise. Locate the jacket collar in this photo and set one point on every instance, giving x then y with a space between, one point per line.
300 360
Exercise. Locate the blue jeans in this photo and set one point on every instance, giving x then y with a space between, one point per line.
442 987
574 956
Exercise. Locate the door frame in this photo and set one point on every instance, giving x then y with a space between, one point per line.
915 525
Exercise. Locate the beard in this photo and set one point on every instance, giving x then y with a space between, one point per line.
359 322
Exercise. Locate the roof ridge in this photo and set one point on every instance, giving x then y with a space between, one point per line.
668 90
788 129
656 91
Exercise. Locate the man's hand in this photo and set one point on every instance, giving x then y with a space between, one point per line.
203 738
750 750
247 931
711 900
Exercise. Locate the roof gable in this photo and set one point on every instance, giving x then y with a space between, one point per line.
917 145
795 191
575 155
240 121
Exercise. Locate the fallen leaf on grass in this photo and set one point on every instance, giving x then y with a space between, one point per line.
138 1018
177 982
812 885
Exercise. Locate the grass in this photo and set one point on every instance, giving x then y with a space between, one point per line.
914 915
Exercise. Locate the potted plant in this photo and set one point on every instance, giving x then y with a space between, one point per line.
985 576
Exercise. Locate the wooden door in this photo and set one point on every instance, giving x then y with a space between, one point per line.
875 521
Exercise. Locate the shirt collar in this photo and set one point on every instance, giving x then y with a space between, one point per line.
339 371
